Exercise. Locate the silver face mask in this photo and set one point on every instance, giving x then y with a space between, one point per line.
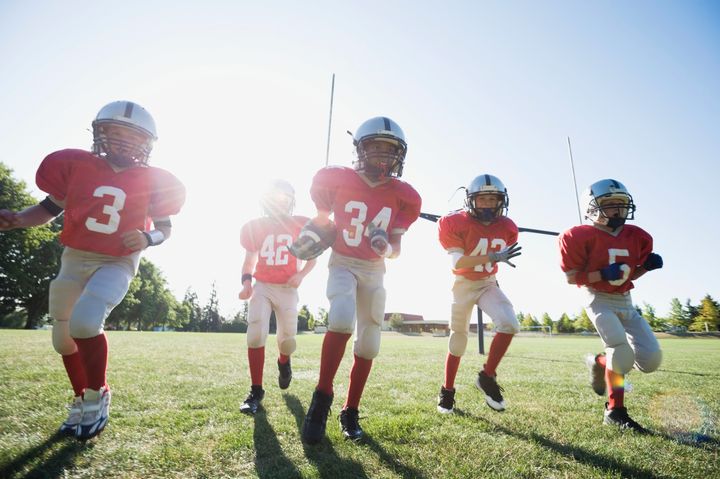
486 184
128 115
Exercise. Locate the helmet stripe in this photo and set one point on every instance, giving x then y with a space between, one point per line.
128 109
487 180
386 123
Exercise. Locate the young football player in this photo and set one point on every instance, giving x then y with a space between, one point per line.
605 258
477 238
372 208
278 275
108 195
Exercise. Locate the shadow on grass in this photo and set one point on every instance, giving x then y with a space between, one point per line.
397 467
574 453
692 439
323 455
270 461
49 463
689 373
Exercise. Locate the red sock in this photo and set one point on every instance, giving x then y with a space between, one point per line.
358 377
601 360
283 359
94 355
452 363
498 347
616 388
76 372
333 350
256 360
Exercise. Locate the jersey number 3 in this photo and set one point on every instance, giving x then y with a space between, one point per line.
112 222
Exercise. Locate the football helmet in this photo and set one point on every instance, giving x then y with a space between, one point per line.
278 199
127 149
603 190
486 185
376 164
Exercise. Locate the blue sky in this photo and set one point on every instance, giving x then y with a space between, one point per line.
240 93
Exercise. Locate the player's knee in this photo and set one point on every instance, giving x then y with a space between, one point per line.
620 358
377 306
255 336
88 316
62 342
368 345
341 317
648 361
508 325
288 346
457 343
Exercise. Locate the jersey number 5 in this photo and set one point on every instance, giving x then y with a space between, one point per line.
616 253
112 211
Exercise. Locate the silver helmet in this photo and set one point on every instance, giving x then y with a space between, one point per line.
278 199
120 151
486 185
602 190
383 129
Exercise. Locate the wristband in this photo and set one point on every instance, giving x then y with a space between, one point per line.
246 277
388 251
51 207
154 237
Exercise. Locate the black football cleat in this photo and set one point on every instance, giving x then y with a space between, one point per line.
350 424
285 374
493 395
446 400
313 429
619 417
252 402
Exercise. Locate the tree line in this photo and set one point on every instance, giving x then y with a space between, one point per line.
31 259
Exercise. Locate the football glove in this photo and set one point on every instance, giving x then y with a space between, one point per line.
506 254
612 272
313 240
379 241
653 261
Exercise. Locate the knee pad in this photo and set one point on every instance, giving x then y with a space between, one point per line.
457 343
256 334
367 344
62 342
648 362
377 306
287 347
508 324
63 294
620 358
341 317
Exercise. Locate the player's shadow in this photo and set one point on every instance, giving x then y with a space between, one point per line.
270 461
692 439
689 373
576 454
323 455
49 463
396 466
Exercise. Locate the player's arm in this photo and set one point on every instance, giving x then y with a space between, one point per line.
251 259
461 261
652 262
295 280
609 273
34 215
136 240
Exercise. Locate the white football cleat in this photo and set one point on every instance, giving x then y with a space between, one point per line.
95 413
74 417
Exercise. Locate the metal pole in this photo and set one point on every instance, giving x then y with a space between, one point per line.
572 167
481 339
332 95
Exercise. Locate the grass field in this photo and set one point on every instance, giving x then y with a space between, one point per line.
176 397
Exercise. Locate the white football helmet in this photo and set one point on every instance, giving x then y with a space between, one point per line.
121 151
486 185
374 164
603 190
278 199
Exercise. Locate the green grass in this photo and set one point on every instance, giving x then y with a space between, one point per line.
176 397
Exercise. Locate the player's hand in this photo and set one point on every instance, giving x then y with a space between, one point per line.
505 255
8 220
653 261
612 272
246 292
378 240
295 280
134 240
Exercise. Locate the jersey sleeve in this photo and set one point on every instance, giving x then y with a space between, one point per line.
324 187
247 236
448 235
410 204
53 175
513 232
646 245
572 251
168 194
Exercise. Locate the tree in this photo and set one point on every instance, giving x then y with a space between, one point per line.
529 322
396 321
708 315
304 318
547 320
565 324
648 312
690 311
211 320
678 317
30 257
583 323
194 311
321 319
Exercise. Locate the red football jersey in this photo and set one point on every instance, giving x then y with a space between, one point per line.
587 248
459 230
271 239
393 206
102 204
